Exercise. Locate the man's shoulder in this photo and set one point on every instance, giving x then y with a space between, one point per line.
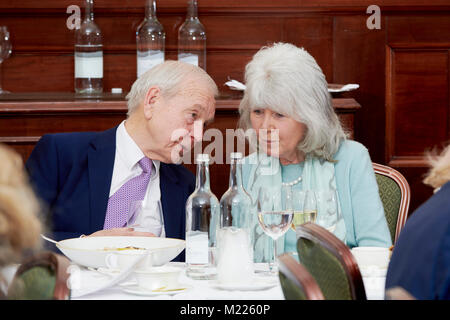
180 172
68 137
75 141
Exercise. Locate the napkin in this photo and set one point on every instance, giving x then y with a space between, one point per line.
347 87
236 85
373 271
122 276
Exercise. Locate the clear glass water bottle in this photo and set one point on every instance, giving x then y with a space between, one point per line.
192 38
234 236
88 54
235 202
202 210
150 40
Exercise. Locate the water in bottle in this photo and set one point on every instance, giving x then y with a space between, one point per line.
192 38
88 54
202 210
150 40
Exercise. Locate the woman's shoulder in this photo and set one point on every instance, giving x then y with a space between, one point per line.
349 149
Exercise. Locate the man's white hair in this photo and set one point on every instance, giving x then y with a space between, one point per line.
288 80
168 77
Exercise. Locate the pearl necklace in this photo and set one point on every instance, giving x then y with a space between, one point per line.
290 184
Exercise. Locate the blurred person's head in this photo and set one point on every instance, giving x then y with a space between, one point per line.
168 107
287 97
439 173
20 226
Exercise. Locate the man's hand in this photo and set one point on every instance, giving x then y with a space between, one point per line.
129 232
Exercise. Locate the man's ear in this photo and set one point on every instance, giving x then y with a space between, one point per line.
152 96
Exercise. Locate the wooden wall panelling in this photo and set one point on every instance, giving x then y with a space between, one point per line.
418 108
417 95
358 58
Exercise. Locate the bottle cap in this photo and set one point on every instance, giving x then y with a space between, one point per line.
236 155
116 90
202 157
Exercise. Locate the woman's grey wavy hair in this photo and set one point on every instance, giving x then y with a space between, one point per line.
168 76
287 80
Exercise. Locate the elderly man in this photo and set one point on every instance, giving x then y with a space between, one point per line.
89 180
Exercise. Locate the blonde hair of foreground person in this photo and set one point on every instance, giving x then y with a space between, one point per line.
439 173
19 208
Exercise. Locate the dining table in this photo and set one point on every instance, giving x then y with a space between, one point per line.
265 286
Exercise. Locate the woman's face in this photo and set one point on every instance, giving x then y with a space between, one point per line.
278 135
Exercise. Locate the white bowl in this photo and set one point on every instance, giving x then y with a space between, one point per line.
92 251
371 256
162 278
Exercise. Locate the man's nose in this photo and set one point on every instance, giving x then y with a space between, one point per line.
196 132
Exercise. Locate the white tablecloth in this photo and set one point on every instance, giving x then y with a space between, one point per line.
83 279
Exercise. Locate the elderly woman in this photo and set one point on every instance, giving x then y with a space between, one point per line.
301 140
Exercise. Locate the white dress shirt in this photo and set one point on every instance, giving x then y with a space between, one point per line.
126 167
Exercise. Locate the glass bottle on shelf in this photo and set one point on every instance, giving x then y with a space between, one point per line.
150 40
192 38
88 54
202 210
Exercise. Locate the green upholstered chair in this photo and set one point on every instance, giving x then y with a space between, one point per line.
296 282
330 262
41 277
395 194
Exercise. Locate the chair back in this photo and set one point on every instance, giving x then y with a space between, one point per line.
395 194
41 277
296 282
330 262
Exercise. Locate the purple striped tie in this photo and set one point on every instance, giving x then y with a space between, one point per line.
133 190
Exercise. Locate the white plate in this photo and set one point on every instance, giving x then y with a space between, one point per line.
90 251
135 289
259 283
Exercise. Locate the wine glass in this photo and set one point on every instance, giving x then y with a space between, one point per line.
304 204
298 200
145 218
310 206
275 215
5 50
328 214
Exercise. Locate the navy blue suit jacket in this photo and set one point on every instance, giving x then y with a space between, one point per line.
72 172
420 262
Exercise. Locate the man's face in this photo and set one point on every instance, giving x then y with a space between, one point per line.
177 123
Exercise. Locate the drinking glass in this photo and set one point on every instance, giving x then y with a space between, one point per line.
274 217
145 218
304 205
5 51
328 214
310 206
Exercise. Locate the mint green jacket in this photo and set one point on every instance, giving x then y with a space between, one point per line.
360 202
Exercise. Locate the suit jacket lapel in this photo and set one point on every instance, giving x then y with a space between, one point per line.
101 157
171 197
